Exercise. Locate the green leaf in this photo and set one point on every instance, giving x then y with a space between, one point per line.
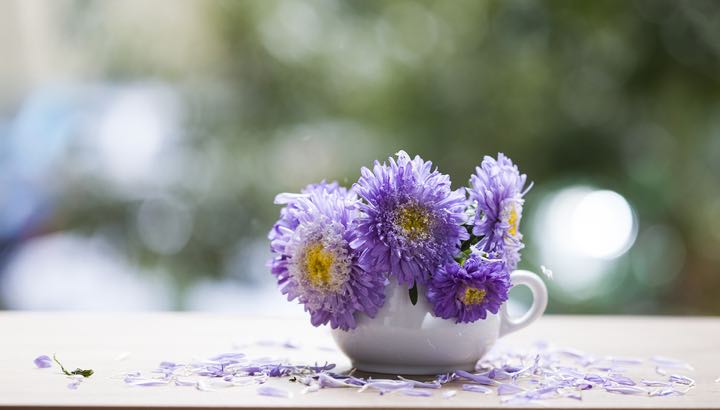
83 373
414 294
462 256
76 372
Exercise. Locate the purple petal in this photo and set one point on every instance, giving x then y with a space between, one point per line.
620 379
43 362
594 378
424 385
415 392
476 388
325 380
273 392
608 368
572 395
75 381
386 385
228 356
289 344
625 389
310 388
147 382
506 388
542 392
654 383
577 354
667 391
499 374
445 378
678 378
668 362
625 360
477 378
580 385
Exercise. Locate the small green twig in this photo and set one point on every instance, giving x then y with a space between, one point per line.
76 372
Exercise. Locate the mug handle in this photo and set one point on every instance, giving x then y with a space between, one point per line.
509 324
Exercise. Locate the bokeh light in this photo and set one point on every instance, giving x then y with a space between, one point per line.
580 230
142 144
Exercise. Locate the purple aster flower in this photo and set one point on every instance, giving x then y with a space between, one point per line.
314 262
497 191
289 220
412 221
466 292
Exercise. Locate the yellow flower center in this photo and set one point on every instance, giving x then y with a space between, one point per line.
513 221
473 296
317 265
414 221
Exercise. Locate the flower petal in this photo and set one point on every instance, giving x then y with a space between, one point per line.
271 391
43 362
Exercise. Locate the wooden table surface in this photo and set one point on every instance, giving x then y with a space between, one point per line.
100 341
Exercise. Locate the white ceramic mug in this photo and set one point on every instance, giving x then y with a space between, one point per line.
407 339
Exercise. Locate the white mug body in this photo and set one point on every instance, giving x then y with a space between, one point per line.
408 339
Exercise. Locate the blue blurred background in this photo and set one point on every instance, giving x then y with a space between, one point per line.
142 143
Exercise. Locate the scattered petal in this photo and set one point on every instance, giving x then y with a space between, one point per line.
476 388
680 379
229 356
522 377
43 362
594 378
271 391
311 388
477 378
505 389
325 380
620 379
415 392
625 389
547 272
289 344
572 395
625 360
147 382
577 354
122 356
654 383
386 385
667 391
670 363
425 385
580 385
203 386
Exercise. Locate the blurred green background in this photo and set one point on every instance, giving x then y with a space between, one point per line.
142 143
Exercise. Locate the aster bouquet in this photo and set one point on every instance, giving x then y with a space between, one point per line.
336 250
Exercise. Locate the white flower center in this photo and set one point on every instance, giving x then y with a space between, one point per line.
511 214
320 260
